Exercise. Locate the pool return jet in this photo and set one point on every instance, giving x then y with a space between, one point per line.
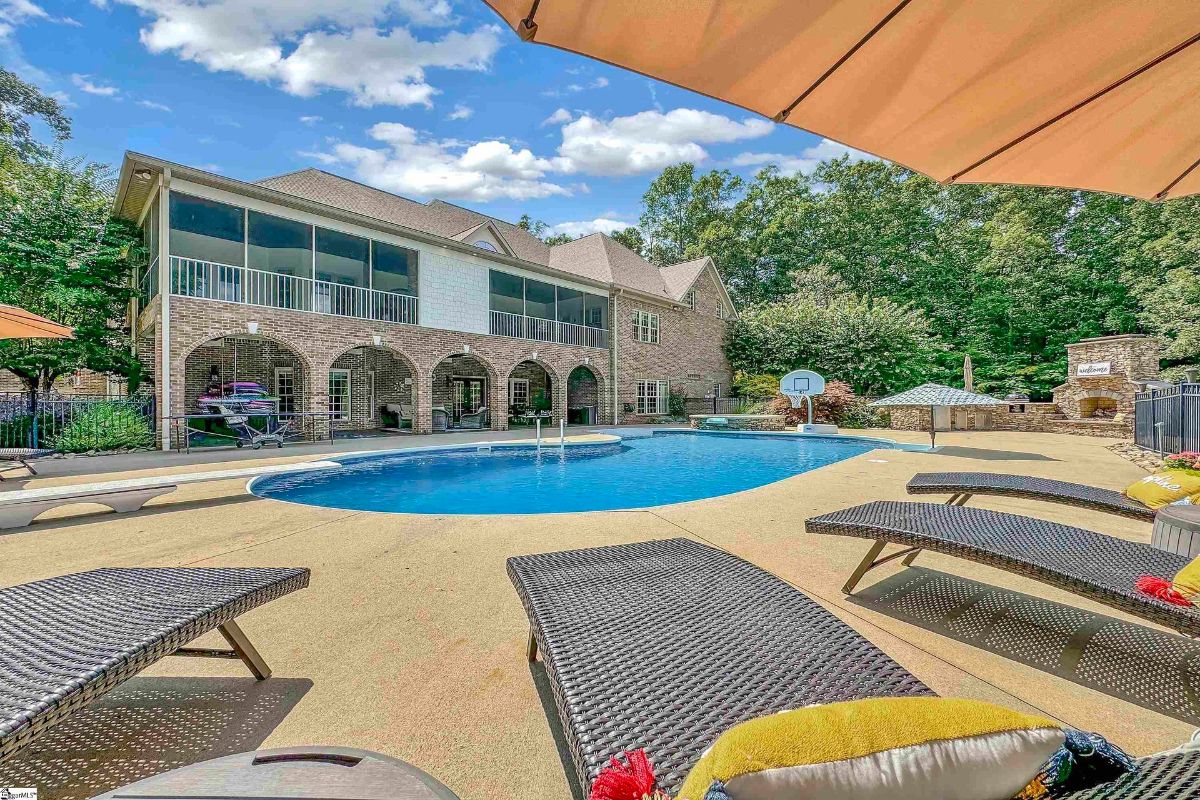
800 386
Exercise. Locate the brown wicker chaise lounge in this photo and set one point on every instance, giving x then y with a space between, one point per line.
67 641
1102 568
666 644
962 485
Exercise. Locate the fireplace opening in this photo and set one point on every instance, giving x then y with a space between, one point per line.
1097 407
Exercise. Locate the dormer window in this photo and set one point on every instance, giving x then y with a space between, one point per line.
485 245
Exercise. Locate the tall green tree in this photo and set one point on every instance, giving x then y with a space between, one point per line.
678 206
21 102
63 257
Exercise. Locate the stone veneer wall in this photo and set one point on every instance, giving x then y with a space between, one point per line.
740 422
690 353
320 339
1133 358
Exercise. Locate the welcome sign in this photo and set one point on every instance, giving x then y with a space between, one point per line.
1094 369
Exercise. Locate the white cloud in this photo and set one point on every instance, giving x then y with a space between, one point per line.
409 163
585 226
18 12
307 47
575 88
153 106
558 117
85 84
311 119
804 161
649 141
461 111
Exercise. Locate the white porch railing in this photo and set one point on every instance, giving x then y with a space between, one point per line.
519 326
211 281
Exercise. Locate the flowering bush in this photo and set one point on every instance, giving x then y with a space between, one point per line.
1187 460
838 406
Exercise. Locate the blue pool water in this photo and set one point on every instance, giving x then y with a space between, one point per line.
638 472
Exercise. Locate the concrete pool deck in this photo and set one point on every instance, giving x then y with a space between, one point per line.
411 640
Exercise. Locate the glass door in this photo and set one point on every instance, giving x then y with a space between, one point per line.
468 396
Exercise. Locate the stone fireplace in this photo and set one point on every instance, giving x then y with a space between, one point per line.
1103 375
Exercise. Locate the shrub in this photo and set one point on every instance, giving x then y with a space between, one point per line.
16 432
105 426
756 385
677 404
830 407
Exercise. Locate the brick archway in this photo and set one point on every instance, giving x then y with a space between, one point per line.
465 364
242 356
383 383
579 395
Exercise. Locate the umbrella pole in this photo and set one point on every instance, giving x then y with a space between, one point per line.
932 429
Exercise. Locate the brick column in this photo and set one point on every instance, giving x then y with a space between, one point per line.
498 401
316 395
558 399
423 400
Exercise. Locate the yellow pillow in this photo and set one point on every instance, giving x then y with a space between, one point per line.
894 748
1164 488
1187 581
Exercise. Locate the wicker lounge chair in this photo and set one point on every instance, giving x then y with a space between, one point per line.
19 458
666 644
1090 564
66 641
962 485
476 420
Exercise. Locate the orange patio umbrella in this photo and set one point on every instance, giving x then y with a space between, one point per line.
17 323
1087 94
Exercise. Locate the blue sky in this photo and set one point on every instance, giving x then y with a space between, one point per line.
426 98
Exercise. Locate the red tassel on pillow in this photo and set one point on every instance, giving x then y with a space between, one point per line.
631 779
1160 588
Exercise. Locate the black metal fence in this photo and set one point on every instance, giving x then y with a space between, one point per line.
77 424
717 405
1168 420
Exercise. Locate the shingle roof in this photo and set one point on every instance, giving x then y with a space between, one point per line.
678 278
597 257
935 394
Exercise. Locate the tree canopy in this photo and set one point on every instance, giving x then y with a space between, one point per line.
1006 274
19 103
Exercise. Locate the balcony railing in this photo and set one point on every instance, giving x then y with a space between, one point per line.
211 281
519 326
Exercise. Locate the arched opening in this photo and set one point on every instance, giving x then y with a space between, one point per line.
224 365
530 394
372 388
583 397
461 385
242 373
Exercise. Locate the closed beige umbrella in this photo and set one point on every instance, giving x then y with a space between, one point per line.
1087 94
17 323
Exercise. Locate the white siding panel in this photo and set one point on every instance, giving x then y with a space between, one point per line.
454 293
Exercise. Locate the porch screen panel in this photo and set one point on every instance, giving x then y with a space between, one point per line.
342 258
206 230
279 245
394 269
507 293
570 306
539 299
595 311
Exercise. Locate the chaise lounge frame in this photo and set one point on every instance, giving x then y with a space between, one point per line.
962 486
66 641
665 644
1093 565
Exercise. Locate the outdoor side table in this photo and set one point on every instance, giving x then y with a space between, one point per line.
331 773
1177 530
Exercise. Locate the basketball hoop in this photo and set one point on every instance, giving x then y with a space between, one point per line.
798 387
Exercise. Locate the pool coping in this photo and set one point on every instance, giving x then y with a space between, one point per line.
609 436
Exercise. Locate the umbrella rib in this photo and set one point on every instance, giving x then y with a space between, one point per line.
783 115
56 328
1163 194
529 26
1086 101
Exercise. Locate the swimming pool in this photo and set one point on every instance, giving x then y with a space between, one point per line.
667 467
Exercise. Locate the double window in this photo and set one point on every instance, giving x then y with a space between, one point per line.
645 327
652 397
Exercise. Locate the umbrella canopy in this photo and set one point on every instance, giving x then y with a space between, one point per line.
1087 94
968 373
935 394
17 323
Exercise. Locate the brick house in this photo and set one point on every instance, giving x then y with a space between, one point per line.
338 297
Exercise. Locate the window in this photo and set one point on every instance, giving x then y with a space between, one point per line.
507 293
339 394
645 327
720 310
716 390
275 244
570 306
206 230
485 245
342 258
518 392
652 397
285 389
393 269
689 300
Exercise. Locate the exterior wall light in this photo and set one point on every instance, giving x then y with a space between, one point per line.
252 328
377 339
466 348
